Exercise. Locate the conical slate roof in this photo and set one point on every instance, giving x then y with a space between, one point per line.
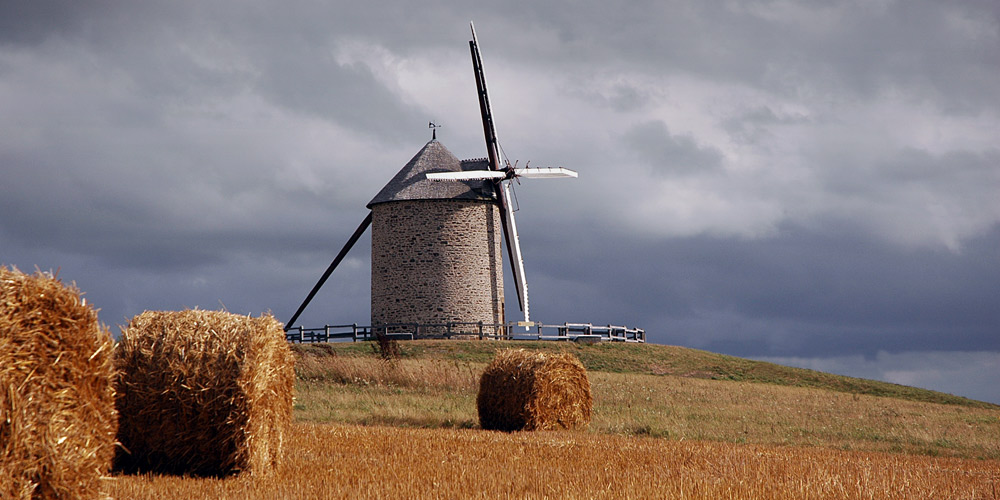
410 183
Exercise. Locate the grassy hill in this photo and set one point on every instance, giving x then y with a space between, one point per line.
655 359
651 390
668 422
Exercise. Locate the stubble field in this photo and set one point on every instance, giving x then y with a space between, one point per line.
367 428
352 461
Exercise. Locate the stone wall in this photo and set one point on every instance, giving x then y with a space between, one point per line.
436 261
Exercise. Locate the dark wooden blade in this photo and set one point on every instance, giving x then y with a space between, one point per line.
489 128
492 152
329 270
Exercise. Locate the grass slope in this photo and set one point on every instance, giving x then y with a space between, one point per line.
655 359
662 428
651 390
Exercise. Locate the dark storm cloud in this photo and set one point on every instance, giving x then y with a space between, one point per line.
971 374
125 139
174 55
775 178
814 294
32 22
930 50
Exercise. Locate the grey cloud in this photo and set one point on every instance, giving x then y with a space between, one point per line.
33 22
320 87
946 371
669 154
623 96
818 293
813 51
948 174
914 195
170 155
754 124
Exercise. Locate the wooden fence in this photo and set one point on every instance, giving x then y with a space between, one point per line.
578 332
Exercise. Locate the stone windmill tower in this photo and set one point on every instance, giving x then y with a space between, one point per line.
436 254
436 235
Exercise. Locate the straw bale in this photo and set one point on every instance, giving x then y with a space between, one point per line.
534 391
205 393
57 413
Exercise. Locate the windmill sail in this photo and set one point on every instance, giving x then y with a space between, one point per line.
480 175
544 173
472 175
506 213
489 129
516 262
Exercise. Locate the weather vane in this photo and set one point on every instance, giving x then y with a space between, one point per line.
433 126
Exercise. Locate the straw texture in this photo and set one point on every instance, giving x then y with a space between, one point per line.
534 391
205 393
57 414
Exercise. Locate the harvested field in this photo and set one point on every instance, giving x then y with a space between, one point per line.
57 414
206 393
522 390
346 384
652 436
337 461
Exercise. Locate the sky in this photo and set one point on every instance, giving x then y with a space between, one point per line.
813 183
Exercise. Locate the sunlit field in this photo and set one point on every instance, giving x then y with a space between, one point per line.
352 461
368 428
435 392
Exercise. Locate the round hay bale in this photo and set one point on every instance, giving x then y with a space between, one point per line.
205 393
57 412
533 391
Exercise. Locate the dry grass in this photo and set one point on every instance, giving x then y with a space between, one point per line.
203 392
439 393
381 405
57 415
520 390
368 371
738 412
655 359
406 392
739 452
336 461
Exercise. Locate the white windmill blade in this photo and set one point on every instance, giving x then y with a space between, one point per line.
517 264
544 172
470 175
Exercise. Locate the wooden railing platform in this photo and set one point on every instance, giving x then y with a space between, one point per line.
579 332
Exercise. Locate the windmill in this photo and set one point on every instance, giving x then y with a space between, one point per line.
435 245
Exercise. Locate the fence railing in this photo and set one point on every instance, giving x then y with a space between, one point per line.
579 332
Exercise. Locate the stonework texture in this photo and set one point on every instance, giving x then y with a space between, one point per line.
437 261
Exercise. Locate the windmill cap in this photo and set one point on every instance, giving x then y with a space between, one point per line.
411 182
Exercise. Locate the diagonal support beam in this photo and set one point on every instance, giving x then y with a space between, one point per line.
333 265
